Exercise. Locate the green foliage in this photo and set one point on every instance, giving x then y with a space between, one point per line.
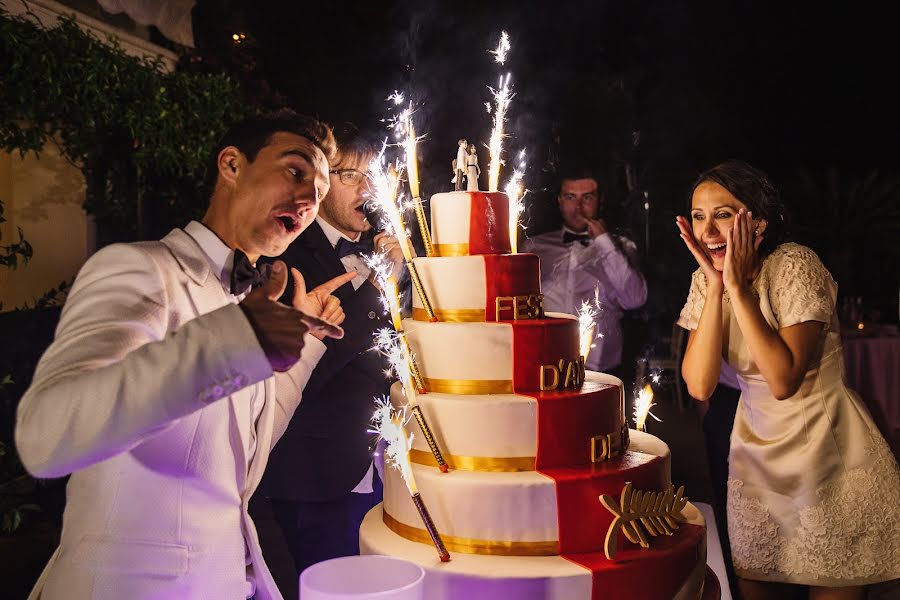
140 135
11 254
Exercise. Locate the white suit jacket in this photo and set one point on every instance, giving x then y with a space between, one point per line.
145 398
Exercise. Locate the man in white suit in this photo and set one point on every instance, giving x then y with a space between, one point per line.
169 381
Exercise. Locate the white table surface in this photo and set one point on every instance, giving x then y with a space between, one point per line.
714 557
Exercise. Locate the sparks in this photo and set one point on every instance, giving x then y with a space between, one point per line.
642 405
502 96
586 328
502 48
390 424
382 269
516 192
385 179
396 98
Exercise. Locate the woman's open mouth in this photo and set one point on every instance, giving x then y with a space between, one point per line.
716 250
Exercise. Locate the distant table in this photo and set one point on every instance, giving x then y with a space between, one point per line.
872 367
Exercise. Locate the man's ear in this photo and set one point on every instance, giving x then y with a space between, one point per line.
229 163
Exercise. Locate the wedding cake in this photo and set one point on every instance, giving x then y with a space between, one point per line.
532 440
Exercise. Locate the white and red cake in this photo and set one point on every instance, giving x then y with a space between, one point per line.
531 439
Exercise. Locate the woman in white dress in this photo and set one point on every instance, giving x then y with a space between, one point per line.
813 489
472 169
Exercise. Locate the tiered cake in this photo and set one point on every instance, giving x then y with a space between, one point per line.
531 439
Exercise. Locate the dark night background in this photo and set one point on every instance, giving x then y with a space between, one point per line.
648 93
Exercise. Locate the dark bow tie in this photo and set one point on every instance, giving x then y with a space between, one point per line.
345 247
569 237
245 276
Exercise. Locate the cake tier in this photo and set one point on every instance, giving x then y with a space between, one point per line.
470 288
517 432
467 223
517 513
673 567
498 358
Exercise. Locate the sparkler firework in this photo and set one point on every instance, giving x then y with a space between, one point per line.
390 425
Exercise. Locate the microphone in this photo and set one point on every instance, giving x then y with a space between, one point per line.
372 215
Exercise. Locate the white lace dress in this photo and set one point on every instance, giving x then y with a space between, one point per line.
813 489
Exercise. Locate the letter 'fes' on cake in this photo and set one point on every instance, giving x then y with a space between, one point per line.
520 424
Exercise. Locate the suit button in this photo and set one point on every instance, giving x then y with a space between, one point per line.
372 314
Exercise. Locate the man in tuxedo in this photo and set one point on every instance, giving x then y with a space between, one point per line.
584 260
321 480
169 381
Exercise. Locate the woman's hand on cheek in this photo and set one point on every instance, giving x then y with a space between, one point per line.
740 253
713 277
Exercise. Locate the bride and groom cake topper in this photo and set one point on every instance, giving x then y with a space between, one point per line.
465 165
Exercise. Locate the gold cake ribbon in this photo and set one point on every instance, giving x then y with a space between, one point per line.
473 545
451 249
454 315
469 386
489 464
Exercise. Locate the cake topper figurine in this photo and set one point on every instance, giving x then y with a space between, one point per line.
472 169
459 164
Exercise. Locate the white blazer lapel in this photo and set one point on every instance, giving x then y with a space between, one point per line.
207 294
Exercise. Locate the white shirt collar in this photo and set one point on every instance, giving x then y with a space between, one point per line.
332 233
220 256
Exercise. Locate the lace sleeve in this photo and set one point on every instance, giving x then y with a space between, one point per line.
690 314
800 287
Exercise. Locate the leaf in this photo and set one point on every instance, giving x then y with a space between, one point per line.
657 513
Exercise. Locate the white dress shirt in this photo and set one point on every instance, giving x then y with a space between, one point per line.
572 273
352 262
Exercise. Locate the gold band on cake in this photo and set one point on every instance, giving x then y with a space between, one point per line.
453 315
451 249
473 545
469 386
487 464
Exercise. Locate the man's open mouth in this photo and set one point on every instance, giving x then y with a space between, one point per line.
290 223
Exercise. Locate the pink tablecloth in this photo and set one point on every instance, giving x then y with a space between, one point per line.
872 366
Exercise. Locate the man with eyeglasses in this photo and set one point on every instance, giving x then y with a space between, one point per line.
320 479
582 261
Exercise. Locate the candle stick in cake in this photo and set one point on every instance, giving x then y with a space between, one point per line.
515 192
642 405
586 328
396 348
412 173
385 182
390 296
390 426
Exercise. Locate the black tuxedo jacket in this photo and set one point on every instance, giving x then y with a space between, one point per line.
327 448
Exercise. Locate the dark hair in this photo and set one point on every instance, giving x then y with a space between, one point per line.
254 133
572 171
752 187
351 142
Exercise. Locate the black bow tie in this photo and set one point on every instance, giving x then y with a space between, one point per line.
345 247
569 237
245 276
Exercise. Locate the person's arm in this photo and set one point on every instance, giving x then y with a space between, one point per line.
802 295
702 360
115 374
628 284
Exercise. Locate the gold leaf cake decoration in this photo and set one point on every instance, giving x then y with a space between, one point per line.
657 512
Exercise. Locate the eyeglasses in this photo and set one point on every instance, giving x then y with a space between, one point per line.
350 177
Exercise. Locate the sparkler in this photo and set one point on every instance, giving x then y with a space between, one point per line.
390 425
515 192
385 184
395 347
642 405
586 328
502 96
412 172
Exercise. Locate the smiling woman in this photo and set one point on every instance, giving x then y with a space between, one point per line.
805 455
